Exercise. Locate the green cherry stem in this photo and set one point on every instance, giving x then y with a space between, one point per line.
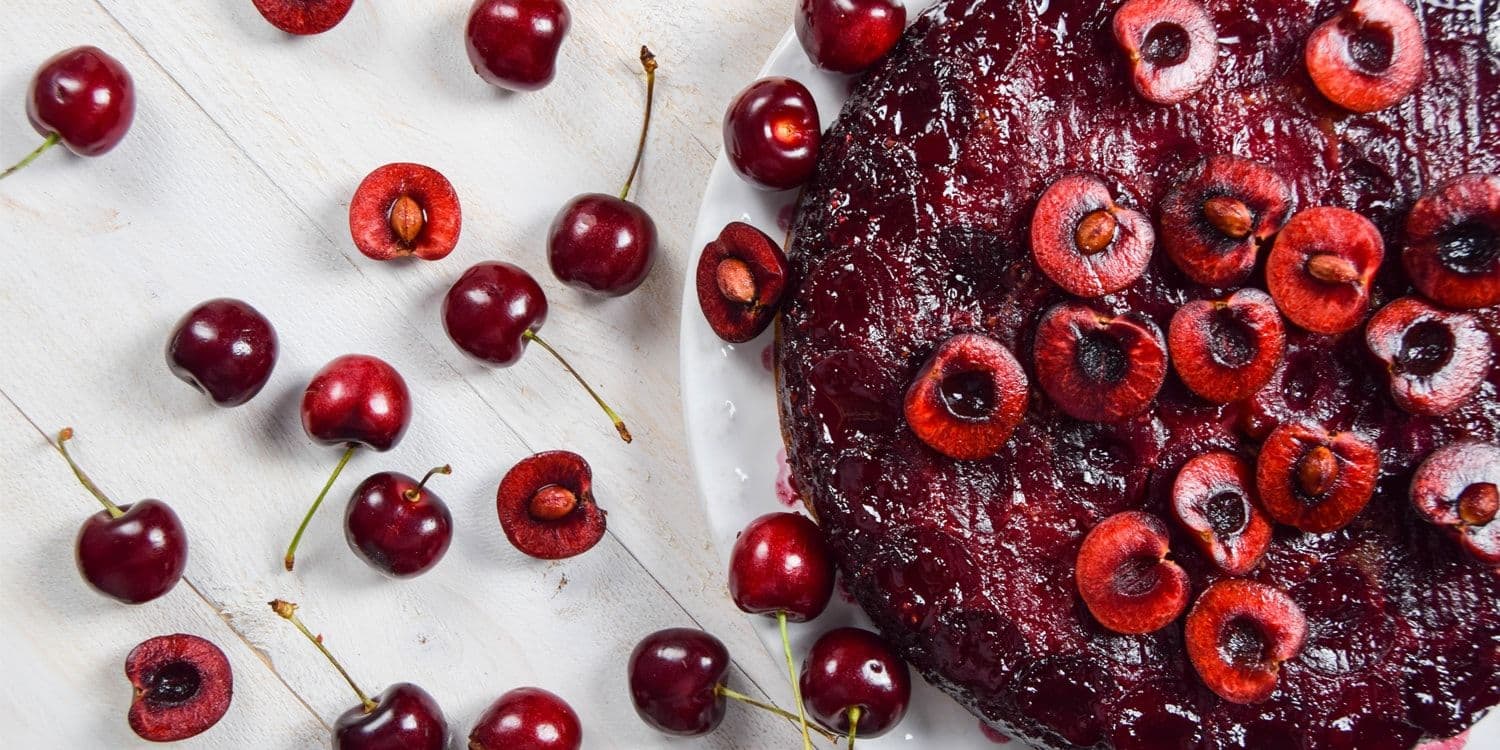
791 670
778 710
288 611
291 550
52 140
648 63
63 436
613 417
415 493
853 725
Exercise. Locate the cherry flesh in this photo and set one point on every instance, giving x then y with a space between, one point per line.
546 506
1238 634
847 36
772 132
1099 368
513 44
968 398
1085 242
397 525
1314 479
1124 576
404 210
1457 488
855 684
1213 500
1435 359
224 348
1171 46
1227 349
1320 269
81 98
1453 235
1214 223
741 278
183 686
1368 56
304 17
527 719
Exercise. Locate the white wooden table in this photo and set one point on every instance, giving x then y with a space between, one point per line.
235 181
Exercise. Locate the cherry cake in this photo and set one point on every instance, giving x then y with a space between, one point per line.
1137 365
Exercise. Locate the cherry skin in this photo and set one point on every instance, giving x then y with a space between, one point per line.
405 716
225 348
772 132
847 36
676 681
397 525
855 684
527 719
780 564
513 43
82 98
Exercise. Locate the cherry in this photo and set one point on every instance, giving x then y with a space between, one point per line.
968 398
494 310
1321 267
1368 56
82 98
1085 242
130 553
1314 479
1456 488
224 348
1238 634
603 243
513 43
355 400
854 684
847 36
403 716
183 686
741 278
527 719
1099 368
546 506
403 210
1435 359
304 17
1171 45
1214 222
1227 349
397 525
1453 255
1213 500
1124 576
772 132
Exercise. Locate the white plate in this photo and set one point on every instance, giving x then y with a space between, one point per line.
734 439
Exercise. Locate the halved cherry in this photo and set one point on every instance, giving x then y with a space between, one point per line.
1225 350
1096 367
1239 633
405 209
1085 242
1368 56
968 398
741 277
1435 359
304 17
1124 576
183 686
546 506
1320 269
1453 255
1171 46
1213 498
1458 488
1314 479
1214 223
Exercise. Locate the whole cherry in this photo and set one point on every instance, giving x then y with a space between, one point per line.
131 553
847 36
397 525
355 400
81 98
772 132
603 243
494 310
403 716
527 719
855 684
513 43
224 348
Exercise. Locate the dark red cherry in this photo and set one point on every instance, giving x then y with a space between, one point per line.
404 210
1215 222
1227 349
183 686
854 684
1368 56
1171 46
772 132
1239 633
677 681
1314 479
1124 576
513 43
1435 359
1096 367
1085 242
1321 267
82 98
397 525
304 17
847 36
781 565
968 398
546 506
742 275
1453 236
224 348
527 719
1458 488
1213 499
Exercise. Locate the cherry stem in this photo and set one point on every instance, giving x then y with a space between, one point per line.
291 550
414 493
288 612
63 436
51 141
613 417
648 63
854 713
791 670
778 710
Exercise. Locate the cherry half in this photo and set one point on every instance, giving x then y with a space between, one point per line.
1435 359
304 17
527 719
1238 634
1227 349
847 36
1124 576
1315 479
741 278
1453 236
130 553
404 210
1085 242
224 348
403 716
1214 223
968 398
1321 266
855 684
1096 367
397 525
772 133
546 506
603 243
183 686
1368 56
1457 488
82 98
1213 500
494 310
355 400
513 43
1171 46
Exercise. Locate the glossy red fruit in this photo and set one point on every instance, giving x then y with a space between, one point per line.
1214 223
847 36
405 210
527 719
772 132
547 508
1085 242
742 276
357 400
1368 56
224 348
1171 46
183 686
676 680
82 98
1099 368
513 44
1214 501
1314 479
1321 267
1124 576
1453 242
1239 633
1435 359
1227 349
304 17
780 564
397 525
1458 488
968 398
852 679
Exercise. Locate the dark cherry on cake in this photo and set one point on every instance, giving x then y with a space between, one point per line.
546 506
224 348
967 398
527 719
397 525
854 684
81 98
513 44
403 210
304 17
1313 322
183 686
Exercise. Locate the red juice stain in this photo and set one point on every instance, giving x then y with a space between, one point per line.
785 215
784 490
992 734
1456 742
765 357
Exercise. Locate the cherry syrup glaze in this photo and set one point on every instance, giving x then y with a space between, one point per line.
915 227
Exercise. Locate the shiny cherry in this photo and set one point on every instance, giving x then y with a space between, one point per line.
513 43
676 681
771 133
224 348
82 98
130 553
847 36
603 243
855 684
494 310
397 525
527 719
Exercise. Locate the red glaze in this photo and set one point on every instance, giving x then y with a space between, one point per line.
490 308
84 96
1227 349
1368 56
304 17
395 526
513 44
1171 47
780 563
357 399
1085 242
183 686
847 36
771 133
404 210
1453 236
546 506
848 668
1124 576
1239 633
224 348
405 718
600 243
675 676
967 398
134 558
527 719
1213 499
